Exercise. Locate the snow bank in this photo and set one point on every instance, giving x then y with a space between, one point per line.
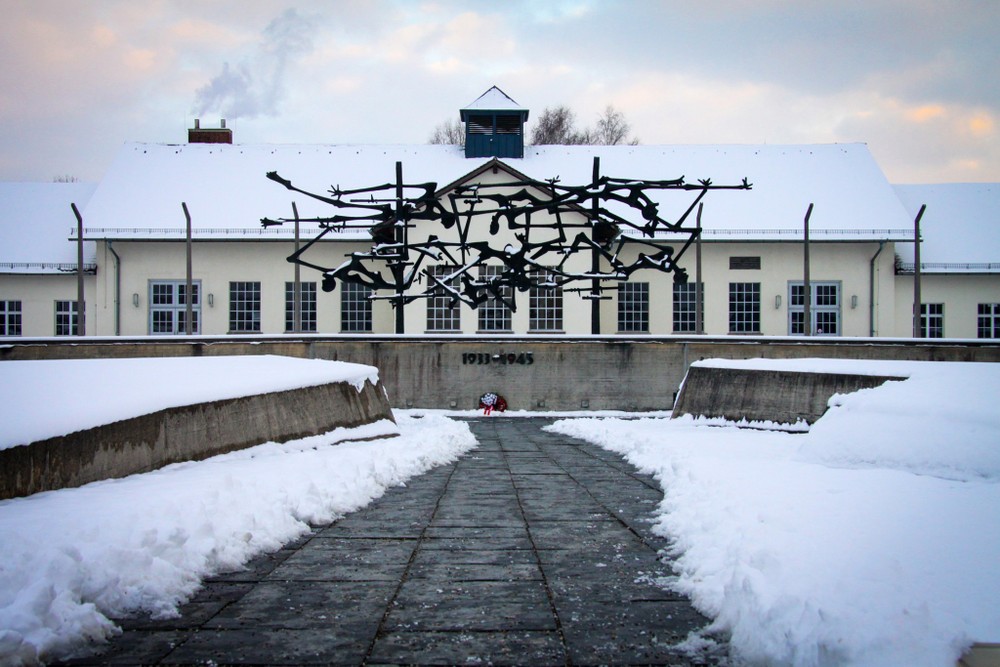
45 399
942 421
870 540
73 558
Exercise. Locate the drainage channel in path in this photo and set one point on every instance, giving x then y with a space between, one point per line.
532 549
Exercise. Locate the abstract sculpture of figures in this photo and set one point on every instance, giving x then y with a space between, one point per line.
568 219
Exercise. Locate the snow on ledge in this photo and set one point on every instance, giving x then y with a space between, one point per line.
902 369
45 399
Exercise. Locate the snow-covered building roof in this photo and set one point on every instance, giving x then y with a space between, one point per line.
36 223
851 197
960 227
494 99
227 192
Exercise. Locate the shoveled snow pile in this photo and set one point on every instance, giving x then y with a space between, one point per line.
873 539
71 559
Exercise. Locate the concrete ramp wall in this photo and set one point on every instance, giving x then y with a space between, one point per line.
554 372
785 397
187 433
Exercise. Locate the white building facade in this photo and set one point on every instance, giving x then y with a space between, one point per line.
752 244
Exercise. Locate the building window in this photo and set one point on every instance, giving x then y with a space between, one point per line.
355 307
168 306
10 318
545 302
244 307
744 307
988 324
307 305
443 308
686 307
66 318
824 308
494 313
932 320
633 307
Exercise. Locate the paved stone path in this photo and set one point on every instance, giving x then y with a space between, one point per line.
532 549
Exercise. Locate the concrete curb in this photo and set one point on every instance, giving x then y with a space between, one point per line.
187 433
784 397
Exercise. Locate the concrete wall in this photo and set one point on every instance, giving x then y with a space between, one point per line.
607 372
759 395
186 433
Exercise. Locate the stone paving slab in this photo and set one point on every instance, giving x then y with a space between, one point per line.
532 549
471 605
509 647
348 560
268 646
298 605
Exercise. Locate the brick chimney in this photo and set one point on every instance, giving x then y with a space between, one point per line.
210 135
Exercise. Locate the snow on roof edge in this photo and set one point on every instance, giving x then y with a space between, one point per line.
147 182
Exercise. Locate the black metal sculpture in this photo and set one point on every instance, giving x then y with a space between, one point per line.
573 219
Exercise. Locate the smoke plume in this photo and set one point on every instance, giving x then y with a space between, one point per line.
256 86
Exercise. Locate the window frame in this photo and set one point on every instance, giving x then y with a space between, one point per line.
245 306
494 315
355 307
932 323
11 317
744 308
820 311
685 307
175 310
988 321
67 319
444 311
545 304
633 307
307 316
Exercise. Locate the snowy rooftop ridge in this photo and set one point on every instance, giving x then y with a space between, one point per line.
494 99
225 186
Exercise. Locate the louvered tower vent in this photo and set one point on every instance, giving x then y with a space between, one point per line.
494 126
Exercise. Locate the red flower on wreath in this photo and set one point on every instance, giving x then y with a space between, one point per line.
491 401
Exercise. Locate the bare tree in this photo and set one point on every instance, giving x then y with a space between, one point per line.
557 125
612 129
448 132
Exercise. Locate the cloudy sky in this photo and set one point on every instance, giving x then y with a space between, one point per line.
914 79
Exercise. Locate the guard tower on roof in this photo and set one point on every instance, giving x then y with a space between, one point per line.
494 126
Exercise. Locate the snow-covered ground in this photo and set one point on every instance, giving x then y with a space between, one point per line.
71 558
872 539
